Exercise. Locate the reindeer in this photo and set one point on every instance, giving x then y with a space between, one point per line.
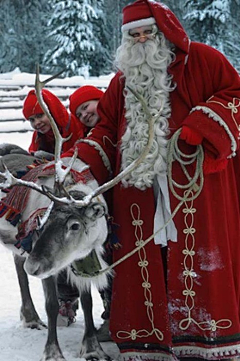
70 233
71 226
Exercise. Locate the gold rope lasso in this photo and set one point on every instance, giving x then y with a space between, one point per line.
192 187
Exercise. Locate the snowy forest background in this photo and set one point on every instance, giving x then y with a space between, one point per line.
81 36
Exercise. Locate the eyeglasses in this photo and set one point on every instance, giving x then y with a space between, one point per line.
149 36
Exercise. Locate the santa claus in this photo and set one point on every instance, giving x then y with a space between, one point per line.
179 295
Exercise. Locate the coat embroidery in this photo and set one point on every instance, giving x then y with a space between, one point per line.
233 107
137 222
107 139
189 275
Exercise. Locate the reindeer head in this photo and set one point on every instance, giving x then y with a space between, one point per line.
70 233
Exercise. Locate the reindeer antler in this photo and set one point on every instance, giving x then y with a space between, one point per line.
61 173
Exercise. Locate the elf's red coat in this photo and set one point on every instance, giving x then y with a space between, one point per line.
195 313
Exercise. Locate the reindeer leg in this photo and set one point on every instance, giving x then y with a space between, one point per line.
28 313
103 333
52 351
91 348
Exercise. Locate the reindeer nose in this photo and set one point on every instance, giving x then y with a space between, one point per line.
32 267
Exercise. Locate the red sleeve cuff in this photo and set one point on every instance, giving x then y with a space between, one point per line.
190 136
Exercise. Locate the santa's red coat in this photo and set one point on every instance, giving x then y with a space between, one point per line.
188 306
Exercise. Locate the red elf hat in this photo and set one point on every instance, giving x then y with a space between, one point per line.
82 95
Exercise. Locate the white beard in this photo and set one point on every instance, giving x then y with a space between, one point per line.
144 66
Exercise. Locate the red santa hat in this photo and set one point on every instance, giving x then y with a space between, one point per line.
148 12
82 95
56 108
136 15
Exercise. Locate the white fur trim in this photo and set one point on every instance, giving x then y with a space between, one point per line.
104 156
138 23
221 122
207 353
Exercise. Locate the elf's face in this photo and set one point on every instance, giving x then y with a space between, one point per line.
40 123
87 113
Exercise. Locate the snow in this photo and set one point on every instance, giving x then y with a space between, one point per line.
21 344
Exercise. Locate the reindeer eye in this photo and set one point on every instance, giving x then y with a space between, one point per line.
75 227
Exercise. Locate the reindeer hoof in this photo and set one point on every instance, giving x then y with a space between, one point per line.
35 325
52 352
30 319
92 350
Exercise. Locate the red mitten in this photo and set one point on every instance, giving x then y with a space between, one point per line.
190 136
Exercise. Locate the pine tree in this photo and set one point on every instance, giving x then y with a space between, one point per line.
211 22
23 30
231 35
100 62
8 37
72 28
113 14
207 19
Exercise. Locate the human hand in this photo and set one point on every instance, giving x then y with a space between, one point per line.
190 136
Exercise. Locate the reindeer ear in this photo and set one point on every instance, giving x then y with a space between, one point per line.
95 210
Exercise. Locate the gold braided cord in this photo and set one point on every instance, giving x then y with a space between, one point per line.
175 154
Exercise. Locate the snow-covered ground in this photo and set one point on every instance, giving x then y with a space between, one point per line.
17 343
